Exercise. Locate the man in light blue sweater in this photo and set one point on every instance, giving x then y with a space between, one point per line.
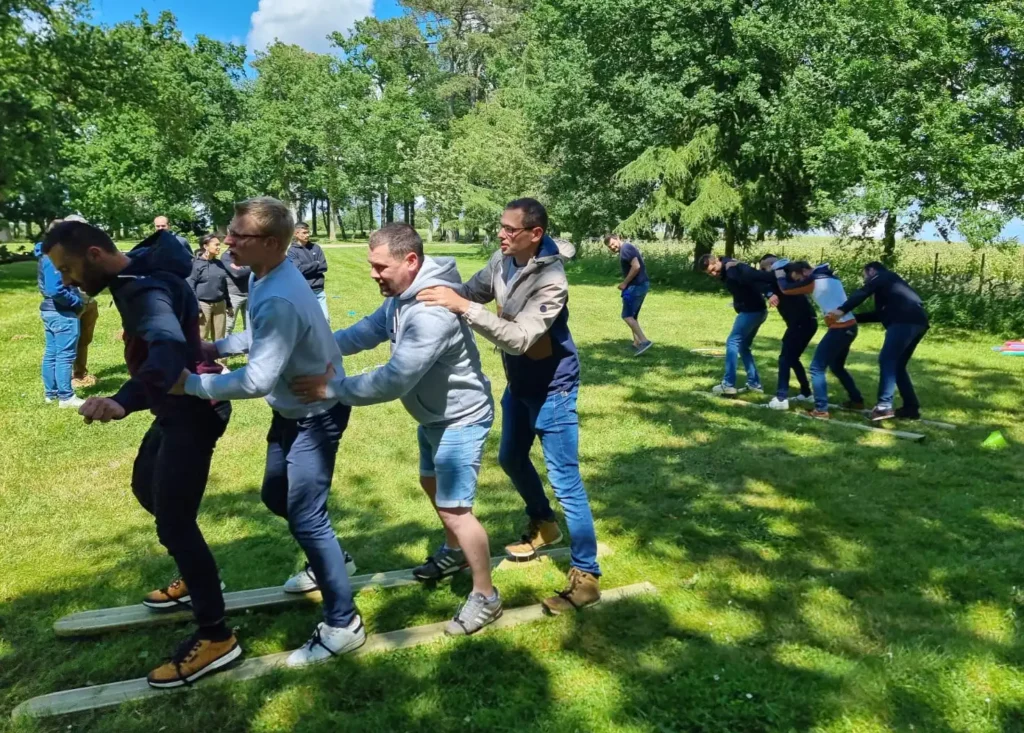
288 338
435 371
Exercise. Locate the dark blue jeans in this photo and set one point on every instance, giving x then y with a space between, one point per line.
831 353
296 483
901 339
59 354
794 343
555 421
737 346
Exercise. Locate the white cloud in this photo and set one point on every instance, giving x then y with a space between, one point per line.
305 23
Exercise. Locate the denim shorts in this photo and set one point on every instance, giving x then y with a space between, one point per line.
453 455
633 299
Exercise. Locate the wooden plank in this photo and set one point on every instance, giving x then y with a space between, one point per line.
916 437
115 693
867 414
103 620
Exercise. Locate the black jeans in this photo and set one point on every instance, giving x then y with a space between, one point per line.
794 342
169 479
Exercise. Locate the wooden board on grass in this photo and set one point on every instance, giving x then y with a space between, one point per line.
916 437
867 413
121 618
115 693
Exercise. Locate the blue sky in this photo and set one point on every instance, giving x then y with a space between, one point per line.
304 22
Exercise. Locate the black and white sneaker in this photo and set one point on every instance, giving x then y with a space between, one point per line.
882 413
328 642
304 581
446 561
478 611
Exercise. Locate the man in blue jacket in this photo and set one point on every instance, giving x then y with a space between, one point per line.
309 259
59 310
160 316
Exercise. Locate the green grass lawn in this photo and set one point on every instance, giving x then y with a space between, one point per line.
810 577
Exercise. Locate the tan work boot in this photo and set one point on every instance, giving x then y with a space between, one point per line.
584 590
83 382
176 594
537 535
193 659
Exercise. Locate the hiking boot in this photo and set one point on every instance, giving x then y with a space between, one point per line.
882 413
584 590
194 658
478 611
538 534
83 382
175 594
446 561
907 413
71 402
328 642
777 404
723 389
820 414
643 347
305 582
853 405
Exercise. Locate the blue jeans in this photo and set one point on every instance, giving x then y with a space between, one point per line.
633 299
737 346
321 296
901 339
59 354
453 456
296 484
555 421
831 353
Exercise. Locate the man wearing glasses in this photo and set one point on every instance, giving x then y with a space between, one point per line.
288 338
527 280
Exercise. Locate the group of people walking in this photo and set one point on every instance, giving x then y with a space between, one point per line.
786 285
430 319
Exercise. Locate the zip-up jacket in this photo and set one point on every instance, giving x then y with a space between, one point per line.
895 301
824 287
311 262
209 280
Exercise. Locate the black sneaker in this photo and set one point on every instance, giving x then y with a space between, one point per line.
906 413
882 413
853 405
441 564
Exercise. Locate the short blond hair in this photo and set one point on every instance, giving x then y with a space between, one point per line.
272 217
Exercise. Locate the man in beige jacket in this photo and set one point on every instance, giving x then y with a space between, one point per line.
531 327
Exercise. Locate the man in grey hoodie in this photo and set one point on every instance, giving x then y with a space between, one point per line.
435 371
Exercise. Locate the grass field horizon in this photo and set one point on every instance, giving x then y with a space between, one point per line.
810 577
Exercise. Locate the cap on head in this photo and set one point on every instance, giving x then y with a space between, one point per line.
302 225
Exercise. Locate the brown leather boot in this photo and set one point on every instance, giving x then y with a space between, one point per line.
584 590
174 595
193 659
539 534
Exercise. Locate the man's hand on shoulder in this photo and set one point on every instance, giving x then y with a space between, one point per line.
444 297
101 409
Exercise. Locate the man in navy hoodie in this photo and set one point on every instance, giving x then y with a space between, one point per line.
160 316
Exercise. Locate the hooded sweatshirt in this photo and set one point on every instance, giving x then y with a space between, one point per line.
288 337
795 310
826 290
57 296
160 317
311 262
434 366
895 301
209 280
531 326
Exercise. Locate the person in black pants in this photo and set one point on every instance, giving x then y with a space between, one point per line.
899 309
160 316
801 325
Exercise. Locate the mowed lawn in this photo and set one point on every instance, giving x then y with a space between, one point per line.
810 577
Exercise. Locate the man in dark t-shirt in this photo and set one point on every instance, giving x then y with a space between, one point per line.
634 286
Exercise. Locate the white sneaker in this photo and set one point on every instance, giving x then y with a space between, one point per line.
305 582
722 389
777 404
74 402
49 400
328 642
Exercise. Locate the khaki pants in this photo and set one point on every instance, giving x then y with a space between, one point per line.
86 326
213 320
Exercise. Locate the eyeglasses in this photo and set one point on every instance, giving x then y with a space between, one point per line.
513 231
238 235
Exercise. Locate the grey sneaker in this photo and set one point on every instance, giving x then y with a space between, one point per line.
474 614
643 347
441 564
71 402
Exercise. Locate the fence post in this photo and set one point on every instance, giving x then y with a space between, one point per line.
822 258
981 274
935 269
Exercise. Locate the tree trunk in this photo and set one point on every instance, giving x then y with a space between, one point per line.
889 239
331 221
730 238
369 210
314 214
389 208
412 214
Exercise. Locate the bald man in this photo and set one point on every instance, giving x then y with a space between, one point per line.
161 224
